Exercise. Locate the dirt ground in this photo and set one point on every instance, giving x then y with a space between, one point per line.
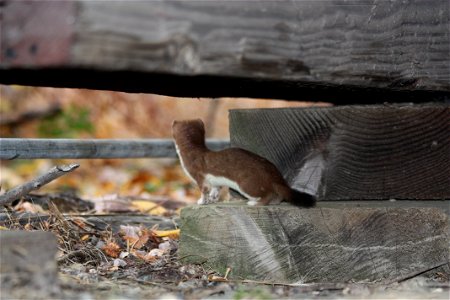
134 256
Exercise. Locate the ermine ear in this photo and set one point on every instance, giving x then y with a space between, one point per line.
174 122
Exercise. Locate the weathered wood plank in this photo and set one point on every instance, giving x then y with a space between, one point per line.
316 47
15 148
286 244
354 152
99 222
27 264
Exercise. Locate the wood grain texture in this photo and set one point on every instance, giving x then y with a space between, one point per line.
393 45
286 244
98 222
360 42
353 152
15 148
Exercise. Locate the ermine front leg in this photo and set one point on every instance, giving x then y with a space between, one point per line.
210 194
214 194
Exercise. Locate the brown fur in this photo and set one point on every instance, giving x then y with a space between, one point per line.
255 175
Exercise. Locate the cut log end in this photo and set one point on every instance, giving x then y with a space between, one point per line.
291 245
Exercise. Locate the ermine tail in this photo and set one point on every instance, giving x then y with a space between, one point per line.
302 199
295 197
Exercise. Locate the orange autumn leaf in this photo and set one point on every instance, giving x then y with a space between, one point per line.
173 234
111 249
144 256
79 222
148 207
28 227
136 237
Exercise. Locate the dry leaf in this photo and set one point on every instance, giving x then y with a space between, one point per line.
79 222
130 231
145 256
112 203
173 234
29 207
216 278
111 249
148 207
119 263
136 237
165 246
28 227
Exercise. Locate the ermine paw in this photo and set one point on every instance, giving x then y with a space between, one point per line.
252 202
214 195
201 201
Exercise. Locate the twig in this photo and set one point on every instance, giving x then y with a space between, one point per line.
16 119
36 183
77 253
161 285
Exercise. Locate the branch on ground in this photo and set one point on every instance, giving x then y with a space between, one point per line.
27 116
36 183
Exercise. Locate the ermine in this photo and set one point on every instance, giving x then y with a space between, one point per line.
252 176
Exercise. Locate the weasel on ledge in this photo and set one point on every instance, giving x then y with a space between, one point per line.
253 176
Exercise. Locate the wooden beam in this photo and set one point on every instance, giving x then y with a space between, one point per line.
286 244
15 148
99 222
353 152
316 48
27 259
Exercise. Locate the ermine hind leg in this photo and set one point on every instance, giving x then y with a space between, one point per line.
209 194
214 194
270 199
253 201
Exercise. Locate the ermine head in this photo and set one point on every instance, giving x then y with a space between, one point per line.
190 131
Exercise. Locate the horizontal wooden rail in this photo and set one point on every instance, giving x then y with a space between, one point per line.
16 148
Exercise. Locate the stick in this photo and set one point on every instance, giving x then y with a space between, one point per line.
36 183
16 119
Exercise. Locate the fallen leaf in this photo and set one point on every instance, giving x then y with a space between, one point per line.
145 256
29 207
136 237
111 249
156 252
217 278
79 222
165 246
173 234
148 207
119 263
113 268
112 203
28 227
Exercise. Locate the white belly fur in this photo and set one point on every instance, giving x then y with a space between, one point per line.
222 181
182 164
